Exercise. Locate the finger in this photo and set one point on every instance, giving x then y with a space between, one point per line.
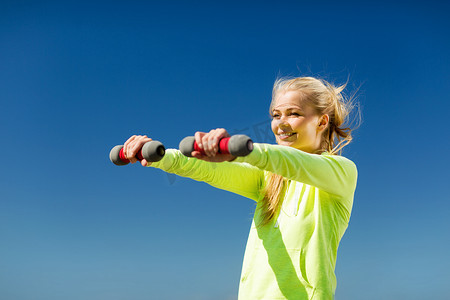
131 138
126 145
213 145
133 147
217 136
223 133
127 142
145 163
199 155
198 138
214 140
208 142
137 144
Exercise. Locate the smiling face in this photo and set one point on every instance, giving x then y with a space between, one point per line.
295 123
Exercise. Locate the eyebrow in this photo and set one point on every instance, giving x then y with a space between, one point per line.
288 109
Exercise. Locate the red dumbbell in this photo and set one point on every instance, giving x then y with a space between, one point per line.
152 151
237 145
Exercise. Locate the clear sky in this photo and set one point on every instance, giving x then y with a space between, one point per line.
78 77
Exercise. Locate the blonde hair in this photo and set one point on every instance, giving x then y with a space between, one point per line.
325 98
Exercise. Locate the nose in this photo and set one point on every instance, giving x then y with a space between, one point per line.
282 122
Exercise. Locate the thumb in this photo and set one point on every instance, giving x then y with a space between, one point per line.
145 163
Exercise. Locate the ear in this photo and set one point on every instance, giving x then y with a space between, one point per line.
323 122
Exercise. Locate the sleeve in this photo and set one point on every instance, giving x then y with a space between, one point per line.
331 173
239 178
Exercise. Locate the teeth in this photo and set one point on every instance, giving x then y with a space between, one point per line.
286 134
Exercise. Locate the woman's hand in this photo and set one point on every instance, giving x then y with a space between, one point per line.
132 147
209 142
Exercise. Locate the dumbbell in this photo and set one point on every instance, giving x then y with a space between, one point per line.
237 145
152 151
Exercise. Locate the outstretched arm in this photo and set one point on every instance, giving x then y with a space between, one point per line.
239 178
331 173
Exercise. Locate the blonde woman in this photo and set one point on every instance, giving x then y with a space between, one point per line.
302 187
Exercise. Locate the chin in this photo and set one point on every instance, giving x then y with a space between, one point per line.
285 143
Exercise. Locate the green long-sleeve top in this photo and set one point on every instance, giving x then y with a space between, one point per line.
293 256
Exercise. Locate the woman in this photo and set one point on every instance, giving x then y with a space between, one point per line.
303 189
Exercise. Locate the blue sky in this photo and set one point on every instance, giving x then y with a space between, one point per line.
77 78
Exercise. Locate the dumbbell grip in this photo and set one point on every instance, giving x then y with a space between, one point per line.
223 146
151 151
122 157
237 145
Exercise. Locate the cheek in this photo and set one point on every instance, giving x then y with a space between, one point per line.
297 125
274 125
310 129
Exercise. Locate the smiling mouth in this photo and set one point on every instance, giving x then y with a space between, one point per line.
285 135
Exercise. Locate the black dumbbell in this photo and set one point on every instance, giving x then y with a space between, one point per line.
152 151
237 145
